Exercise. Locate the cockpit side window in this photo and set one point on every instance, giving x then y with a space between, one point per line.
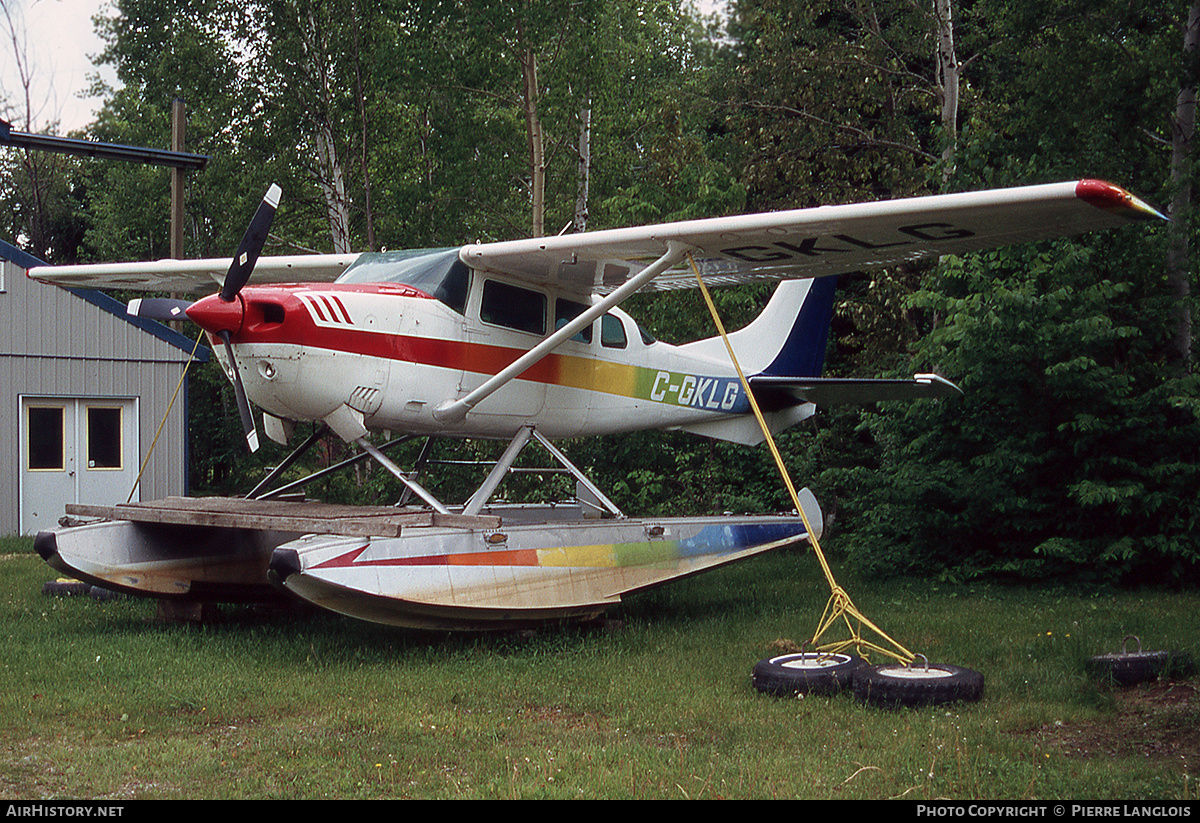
513 307
454 289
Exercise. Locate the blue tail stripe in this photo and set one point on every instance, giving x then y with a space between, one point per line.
803 353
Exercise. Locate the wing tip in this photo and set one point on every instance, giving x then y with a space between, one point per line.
1110 198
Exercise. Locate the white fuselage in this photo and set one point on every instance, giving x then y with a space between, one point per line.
392 355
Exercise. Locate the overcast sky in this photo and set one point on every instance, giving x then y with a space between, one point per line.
60 42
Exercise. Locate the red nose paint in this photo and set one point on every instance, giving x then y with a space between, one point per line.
215 315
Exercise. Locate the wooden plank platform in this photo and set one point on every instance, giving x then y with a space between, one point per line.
275 515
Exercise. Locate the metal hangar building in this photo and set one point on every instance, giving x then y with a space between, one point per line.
90 395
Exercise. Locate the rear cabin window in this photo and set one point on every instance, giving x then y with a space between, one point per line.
612 332
567 310
513 307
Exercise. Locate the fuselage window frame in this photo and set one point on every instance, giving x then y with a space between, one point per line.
513 307
612 332
567 310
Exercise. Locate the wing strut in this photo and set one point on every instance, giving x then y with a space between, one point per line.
453 411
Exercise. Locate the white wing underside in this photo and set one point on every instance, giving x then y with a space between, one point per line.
193 276
727 250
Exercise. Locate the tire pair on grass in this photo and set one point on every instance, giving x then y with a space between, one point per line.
921 684
925 684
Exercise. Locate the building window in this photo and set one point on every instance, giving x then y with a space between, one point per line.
46 438
104 437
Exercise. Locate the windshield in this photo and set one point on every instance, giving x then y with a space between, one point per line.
437 272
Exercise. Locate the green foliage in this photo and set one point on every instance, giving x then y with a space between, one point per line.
1070 452
830 102
42 199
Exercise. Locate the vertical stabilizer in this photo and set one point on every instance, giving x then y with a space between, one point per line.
788 338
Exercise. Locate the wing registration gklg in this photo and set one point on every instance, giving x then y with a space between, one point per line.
818 241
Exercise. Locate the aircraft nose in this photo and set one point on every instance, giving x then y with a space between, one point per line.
215 315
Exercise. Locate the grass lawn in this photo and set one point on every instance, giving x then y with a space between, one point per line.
100 700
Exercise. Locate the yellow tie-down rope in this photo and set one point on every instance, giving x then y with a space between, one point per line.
840 607
163 422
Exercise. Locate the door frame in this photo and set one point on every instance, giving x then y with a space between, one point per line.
82 480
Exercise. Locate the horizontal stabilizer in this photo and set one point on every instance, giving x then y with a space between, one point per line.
776 392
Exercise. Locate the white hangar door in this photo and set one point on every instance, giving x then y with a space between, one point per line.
75 450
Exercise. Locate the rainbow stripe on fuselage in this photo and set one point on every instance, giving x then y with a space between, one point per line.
339 324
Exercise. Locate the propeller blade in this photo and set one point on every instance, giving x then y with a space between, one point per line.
158 308
240 393
252 245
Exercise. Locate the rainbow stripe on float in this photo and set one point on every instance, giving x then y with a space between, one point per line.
714 540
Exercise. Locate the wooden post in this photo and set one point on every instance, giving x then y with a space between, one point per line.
177 133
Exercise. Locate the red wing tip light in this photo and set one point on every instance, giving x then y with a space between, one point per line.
1115 199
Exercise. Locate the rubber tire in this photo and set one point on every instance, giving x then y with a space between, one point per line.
893 685
790 675
1129 669
66 588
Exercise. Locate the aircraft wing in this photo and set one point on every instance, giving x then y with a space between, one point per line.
193 276
728 250
817 241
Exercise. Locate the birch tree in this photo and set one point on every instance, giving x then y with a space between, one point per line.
947 84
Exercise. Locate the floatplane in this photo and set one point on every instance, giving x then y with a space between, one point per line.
521 341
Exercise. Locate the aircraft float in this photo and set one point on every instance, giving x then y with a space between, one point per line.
522 341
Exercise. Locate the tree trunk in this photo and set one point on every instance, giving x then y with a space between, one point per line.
947 82
1182 134
333 186
585 168
329 167
537 161
368 211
